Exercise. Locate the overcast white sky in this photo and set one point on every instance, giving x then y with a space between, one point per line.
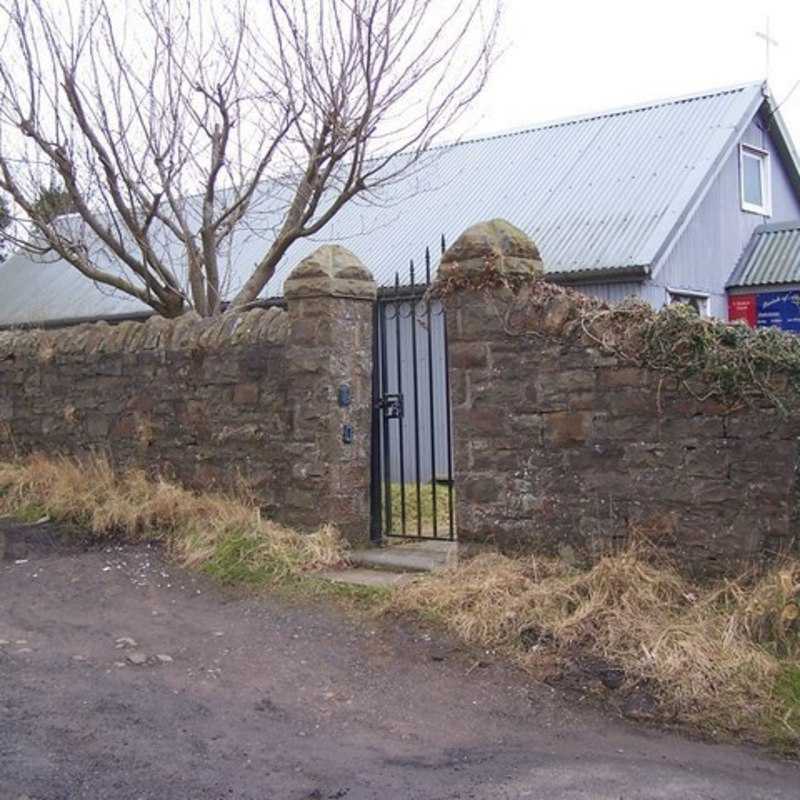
568 57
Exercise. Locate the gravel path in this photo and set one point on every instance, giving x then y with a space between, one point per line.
255 699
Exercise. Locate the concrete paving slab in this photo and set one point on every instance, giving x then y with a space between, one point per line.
373 578
423 556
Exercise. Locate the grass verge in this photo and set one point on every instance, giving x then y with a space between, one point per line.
723 658
221 534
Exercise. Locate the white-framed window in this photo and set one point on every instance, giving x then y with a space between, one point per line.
755 180
696 300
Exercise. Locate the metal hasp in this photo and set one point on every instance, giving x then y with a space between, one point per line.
347 434
412 492
391 405
343 396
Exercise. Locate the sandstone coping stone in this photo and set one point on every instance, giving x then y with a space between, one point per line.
496 242
257 325
330 271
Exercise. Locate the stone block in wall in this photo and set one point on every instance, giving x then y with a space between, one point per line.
647 455
473 319
469 355
606 427
676 427
616 376
529 428
627 401
491 389
97 426
246 394
484 422
759 424
567 428
557 389
217 368
480 488
712 461
458 387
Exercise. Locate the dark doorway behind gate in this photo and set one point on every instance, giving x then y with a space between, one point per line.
412 452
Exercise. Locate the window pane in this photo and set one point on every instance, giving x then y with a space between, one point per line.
751 180
694 302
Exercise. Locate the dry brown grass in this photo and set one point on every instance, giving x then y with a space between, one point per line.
221 533
713 655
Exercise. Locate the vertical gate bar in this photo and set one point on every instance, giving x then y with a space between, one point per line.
375 494
448 414
450 481
431 397
387 467
398 348
415 302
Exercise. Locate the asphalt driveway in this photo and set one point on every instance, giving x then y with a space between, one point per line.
123 678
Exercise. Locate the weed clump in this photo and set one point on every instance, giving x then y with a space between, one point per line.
707 358
223 534
722 657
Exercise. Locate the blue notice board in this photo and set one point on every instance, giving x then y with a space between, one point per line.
778 310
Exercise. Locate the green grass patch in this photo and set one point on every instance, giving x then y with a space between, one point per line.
235 560
421 512
785 722
30 513
310 587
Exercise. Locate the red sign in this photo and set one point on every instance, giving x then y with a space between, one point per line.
743 307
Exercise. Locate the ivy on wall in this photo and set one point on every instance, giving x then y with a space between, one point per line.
711 359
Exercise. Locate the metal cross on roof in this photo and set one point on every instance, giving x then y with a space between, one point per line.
769 43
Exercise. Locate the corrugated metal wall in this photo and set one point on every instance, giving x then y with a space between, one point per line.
707 251
612 292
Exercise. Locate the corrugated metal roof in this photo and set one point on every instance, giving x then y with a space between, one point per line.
771 257
596 193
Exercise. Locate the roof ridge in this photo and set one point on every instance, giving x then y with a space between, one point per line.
594 115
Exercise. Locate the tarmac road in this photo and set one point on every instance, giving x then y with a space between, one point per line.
262 698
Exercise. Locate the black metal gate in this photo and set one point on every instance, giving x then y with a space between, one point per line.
412 452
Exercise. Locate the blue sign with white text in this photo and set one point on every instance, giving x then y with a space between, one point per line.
778 310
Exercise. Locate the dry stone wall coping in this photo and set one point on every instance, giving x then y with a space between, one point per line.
256 326
497 242
330 271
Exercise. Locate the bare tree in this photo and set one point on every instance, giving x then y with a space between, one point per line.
169 129
6 221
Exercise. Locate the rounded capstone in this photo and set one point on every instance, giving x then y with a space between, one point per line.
330 271
495 243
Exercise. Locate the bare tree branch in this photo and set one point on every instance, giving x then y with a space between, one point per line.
165 125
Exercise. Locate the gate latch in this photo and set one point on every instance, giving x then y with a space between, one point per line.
391 405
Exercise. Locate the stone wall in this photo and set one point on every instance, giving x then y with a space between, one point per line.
560 447
252 395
